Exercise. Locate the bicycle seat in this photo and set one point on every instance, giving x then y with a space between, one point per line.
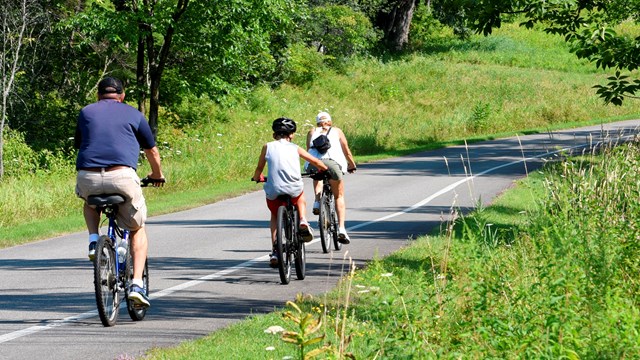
105 199
285 198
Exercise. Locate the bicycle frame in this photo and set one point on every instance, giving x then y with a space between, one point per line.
328 218
114 232
288 244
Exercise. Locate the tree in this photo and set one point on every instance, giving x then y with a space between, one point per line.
195 47
588 25
16 20
150 28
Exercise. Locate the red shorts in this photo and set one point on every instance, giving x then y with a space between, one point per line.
273 205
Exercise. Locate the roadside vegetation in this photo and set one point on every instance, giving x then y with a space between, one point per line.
444 91
550 270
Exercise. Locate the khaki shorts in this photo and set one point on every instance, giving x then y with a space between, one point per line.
334 168
133 212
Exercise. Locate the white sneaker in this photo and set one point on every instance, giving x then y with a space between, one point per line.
343 237
306 232
92 250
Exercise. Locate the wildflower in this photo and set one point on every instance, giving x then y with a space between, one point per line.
219 134
274 329
270 348
387 275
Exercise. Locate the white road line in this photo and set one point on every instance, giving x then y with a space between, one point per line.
458 183
35 329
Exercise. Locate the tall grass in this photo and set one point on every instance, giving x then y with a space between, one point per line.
451 91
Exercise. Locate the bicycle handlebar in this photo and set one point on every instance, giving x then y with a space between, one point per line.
154 182
314 175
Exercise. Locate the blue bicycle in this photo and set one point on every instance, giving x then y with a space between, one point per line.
113 264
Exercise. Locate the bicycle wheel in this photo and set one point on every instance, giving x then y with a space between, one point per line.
136 312
324 223
283 239
300 259
334 225
105 281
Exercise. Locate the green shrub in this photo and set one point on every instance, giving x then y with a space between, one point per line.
341 31
18 157
423 26
304 64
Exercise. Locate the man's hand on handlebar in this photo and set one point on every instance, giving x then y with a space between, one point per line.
153 182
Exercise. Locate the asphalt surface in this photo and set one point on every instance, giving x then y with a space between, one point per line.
208 265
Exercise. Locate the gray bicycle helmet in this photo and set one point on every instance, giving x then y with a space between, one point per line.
284 126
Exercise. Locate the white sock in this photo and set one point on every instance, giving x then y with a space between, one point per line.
138 282
94 237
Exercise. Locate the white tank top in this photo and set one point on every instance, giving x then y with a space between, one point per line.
283 172
334 152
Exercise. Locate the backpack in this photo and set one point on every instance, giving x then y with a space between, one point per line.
321 143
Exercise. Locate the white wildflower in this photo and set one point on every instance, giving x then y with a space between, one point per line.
274 329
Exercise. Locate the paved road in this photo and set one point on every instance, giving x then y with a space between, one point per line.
208 265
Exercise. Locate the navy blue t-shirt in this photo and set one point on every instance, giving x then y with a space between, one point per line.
111 133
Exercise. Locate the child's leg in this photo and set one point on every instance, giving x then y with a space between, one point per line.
273 225
301 204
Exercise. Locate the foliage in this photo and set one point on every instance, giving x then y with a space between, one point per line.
341 32
424 26
589 26
304 64
215 64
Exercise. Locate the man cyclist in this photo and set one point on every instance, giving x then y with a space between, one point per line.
339 160
109 135
282 158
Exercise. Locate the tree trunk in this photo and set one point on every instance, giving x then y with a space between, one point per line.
157 63
141 74
399 21
9 66
141 69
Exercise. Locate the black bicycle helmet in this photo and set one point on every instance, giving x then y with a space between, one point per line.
284 126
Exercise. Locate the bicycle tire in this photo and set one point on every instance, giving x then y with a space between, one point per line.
283 239
337 245
136 313
105 281
300 259
324 223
